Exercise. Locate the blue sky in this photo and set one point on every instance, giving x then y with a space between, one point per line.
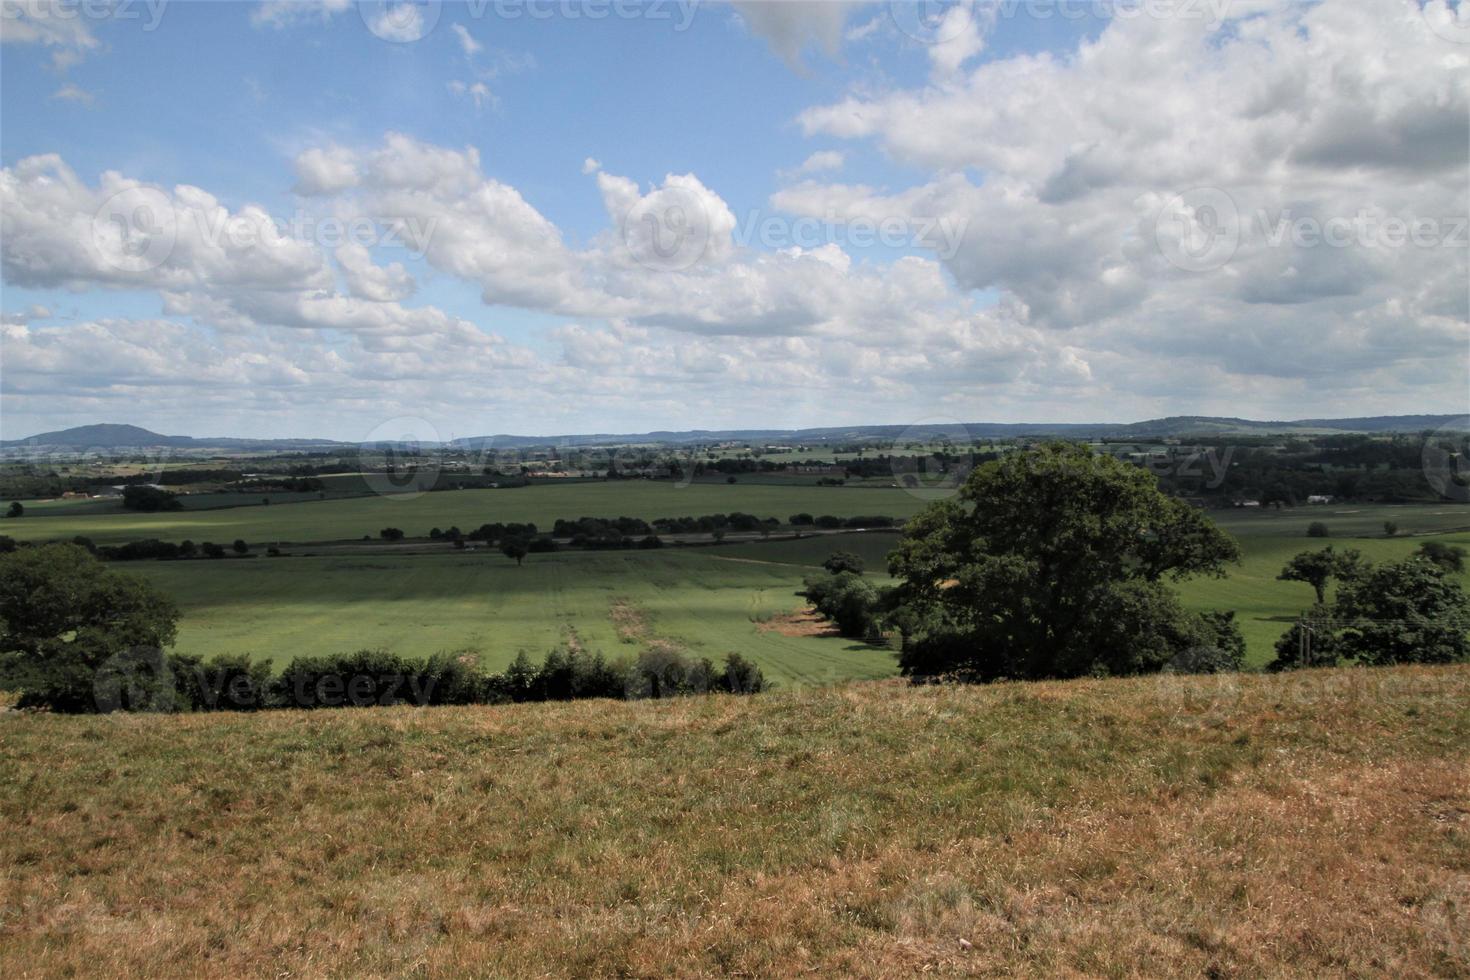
1053 146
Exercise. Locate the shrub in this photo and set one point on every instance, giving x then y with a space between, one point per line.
740 676
230 682
1317 529
848 600
800 520
350 680
843 561
391 534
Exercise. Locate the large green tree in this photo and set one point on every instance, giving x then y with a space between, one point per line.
1403 612
63 615
1051 563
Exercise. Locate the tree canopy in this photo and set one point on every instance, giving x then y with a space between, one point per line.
1050 563
63 614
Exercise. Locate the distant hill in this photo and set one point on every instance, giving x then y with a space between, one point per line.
107 435
112 436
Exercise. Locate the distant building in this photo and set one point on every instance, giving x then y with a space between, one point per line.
1319 498
1247 503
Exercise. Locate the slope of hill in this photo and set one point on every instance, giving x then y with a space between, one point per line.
1307 825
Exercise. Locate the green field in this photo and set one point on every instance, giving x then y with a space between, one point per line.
351 518
710 600
422 604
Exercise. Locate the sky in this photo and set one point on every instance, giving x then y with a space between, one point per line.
355 221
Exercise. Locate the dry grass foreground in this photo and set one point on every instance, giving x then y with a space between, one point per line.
1308 825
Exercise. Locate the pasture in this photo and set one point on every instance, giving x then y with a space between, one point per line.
419 604
709 600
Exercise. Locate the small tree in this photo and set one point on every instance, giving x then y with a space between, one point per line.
1317 568
1447 556
391 534
843 561
1317 529
515 548
240 547
16 509
1390 528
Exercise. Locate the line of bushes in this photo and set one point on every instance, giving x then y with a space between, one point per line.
148 679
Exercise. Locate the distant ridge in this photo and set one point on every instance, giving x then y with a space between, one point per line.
115 436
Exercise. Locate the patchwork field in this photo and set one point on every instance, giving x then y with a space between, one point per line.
1309 825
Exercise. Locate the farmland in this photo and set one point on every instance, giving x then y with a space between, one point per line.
421 599
1311 824
352 518
422 604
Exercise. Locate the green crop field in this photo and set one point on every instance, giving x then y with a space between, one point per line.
422 604
345 519
709 600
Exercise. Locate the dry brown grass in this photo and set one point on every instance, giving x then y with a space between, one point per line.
1308 825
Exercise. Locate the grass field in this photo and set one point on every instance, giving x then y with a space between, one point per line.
422 604
351 518
711 600
1308 825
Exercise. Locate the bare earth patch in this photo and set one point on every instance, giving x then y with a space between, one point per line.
802 622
